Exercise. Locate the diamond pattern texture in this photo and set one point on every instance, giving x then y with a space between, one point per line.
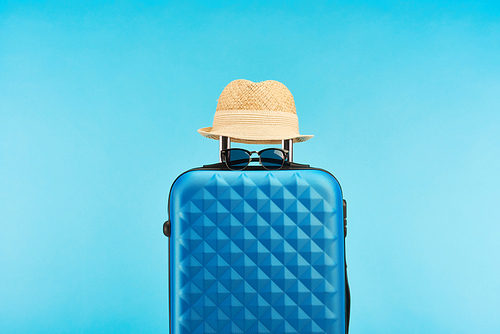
257 252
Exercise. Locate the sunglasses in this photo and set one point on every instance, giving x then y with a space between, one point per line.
269 158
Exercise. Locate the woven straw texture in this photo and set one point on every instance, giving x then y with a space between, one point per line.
248 95
255 113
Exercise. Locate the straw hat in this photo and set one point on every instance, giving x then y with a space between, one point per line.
255 113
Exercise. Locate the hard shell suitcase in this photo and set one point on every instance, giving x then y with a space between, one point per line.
257 251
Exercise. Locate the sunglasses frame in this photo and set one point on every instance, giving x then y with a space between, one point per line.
250 159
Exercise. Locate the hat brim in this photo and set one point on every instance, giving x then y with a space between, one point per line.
250 137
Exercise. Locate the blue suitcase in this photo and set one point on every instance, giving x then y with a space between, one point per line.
257 251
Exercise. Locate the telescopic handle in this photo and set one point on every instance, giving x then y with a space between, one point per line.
287 144
225 143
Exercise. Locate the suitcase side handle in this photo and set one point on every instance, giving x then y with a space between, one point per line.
225 144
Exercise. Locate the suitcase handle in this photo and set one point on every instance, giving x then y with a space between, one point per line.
225 144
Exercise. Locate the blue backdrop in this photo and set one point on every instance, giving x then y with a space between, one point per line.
99 106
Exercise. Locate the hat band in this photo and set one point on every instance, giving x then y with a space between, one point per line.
244 117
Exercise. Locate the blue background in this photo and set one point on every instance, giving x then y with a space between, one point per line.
99 107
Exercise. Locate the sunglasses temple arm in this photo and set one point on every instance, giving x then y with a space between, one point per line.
271 160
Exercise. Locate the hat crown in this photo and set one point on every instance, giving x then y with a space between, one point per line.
267 95
255 113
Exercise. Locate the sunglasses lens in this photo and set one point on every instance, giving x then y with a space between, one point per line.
237 159
272 158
